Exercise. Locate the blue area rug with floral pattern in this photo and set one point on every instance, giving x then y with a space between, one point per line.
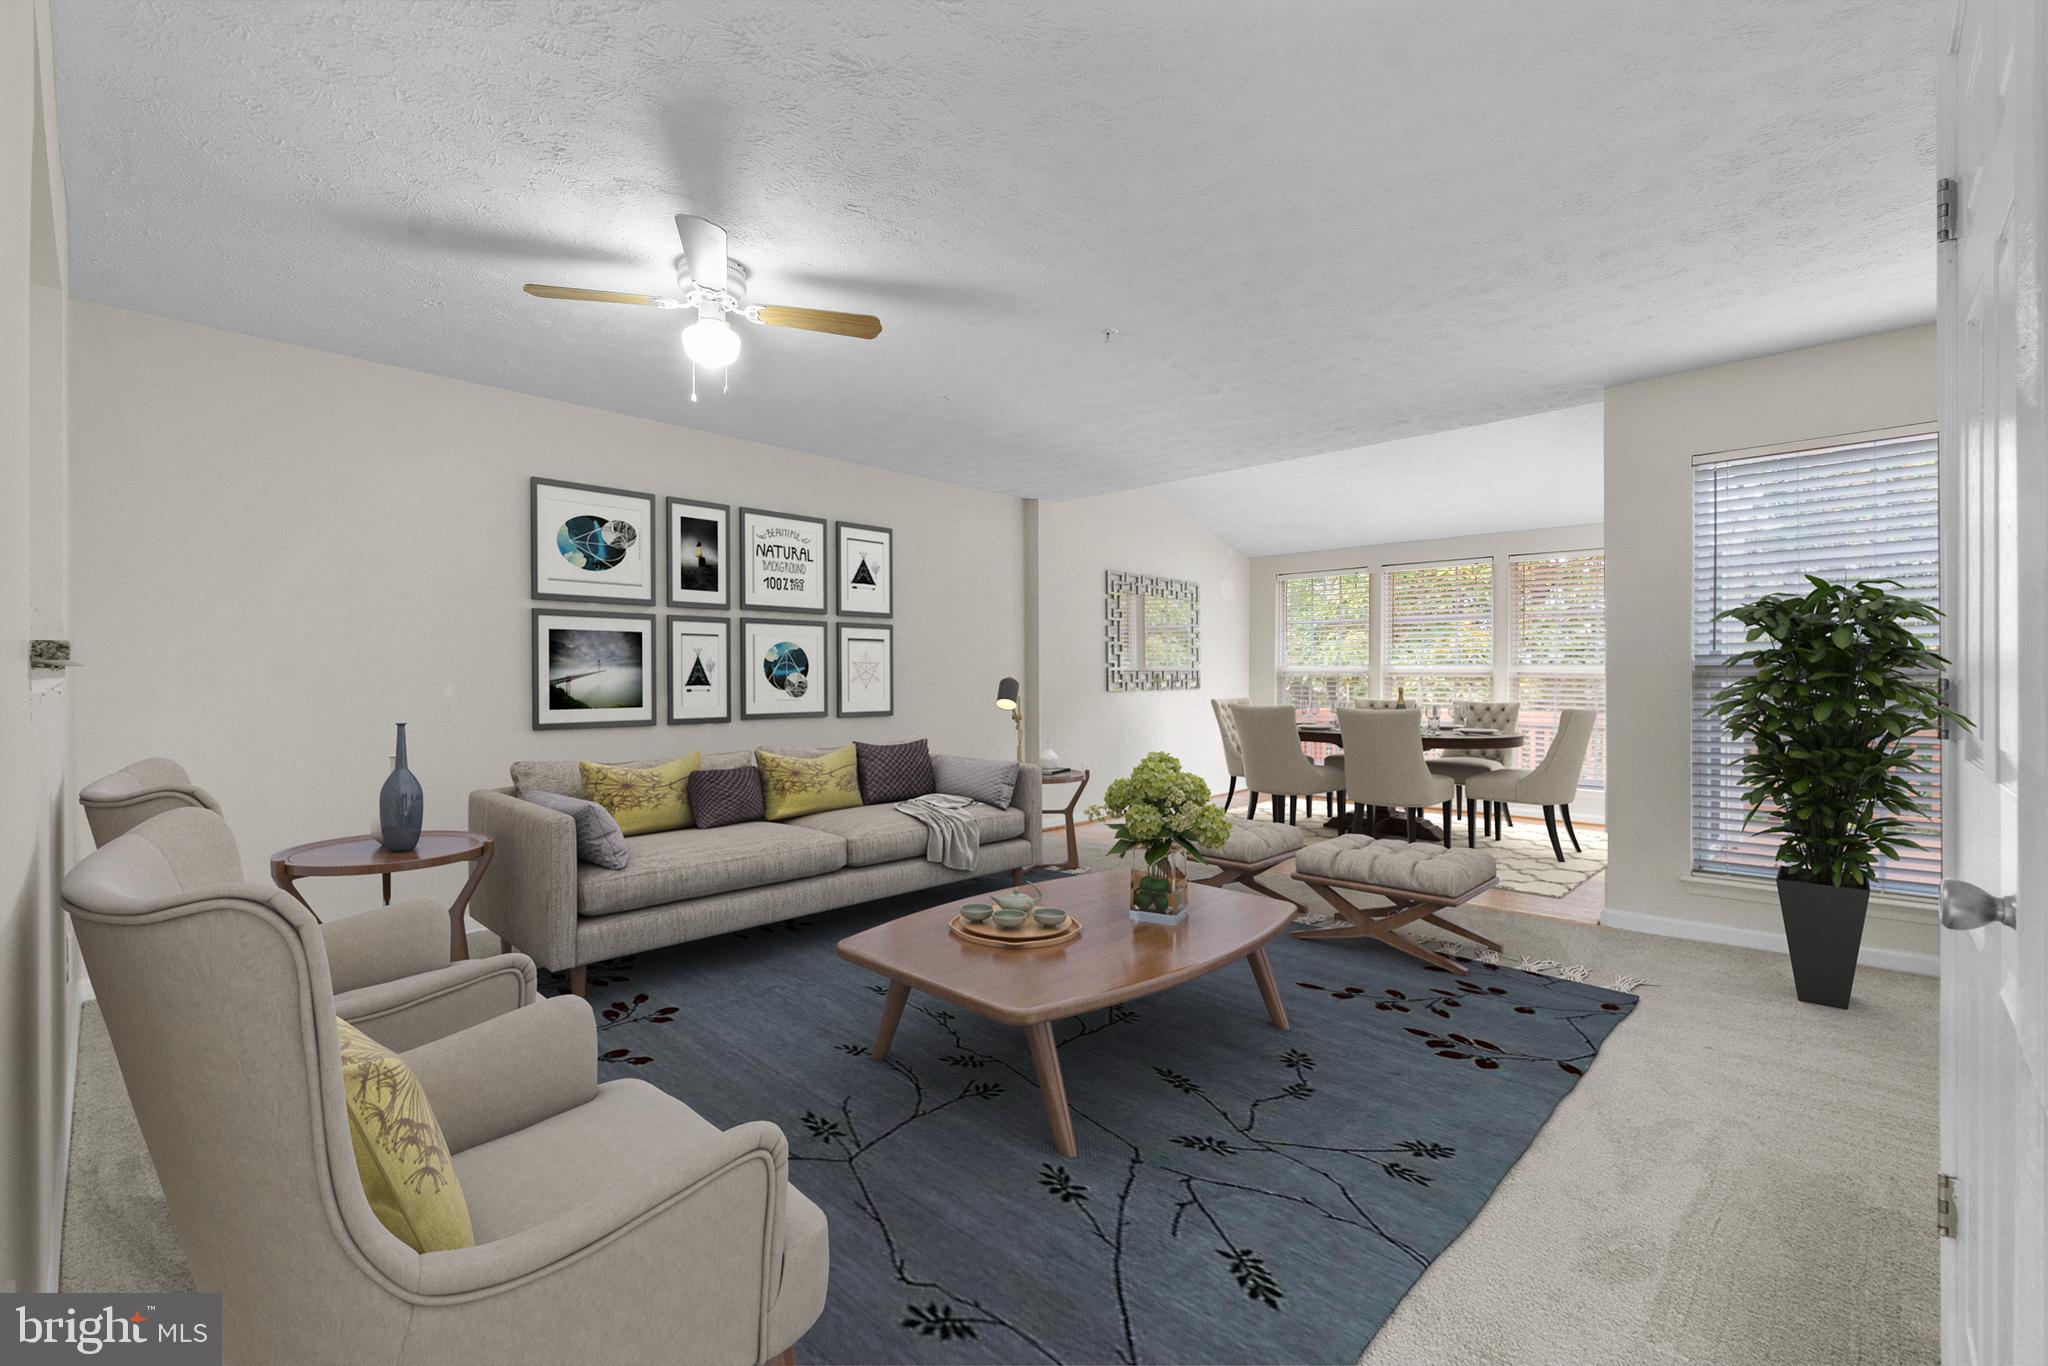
1241 1194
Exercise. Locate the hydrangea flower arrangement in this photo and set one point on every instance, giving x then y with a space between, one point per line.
1162 812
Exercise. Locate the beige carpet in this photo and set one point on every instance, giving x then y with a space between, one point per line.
1739 1179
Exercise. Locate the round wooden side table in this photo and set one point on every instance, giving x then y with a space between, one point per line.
1079 778
359 855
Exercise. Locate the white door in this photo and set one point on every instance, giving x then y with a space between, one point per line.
1994 978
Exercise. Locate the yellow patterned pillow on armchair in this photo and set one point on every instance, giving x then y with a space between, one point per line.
791 786
401 1157
643 800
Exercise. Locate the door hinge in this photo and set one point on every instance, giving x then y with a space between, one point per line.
1945 1205
1944 210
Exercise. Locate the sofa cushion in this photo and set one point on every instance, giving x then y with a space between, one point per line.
726 796
1421 867
598 837
798 784
682 865
401 1157
895 773
566 775
986 780
882 834
644 800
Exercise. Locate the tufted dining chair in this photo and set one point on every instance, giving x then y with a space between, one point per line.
1459 765
1233 749
1552 784
1384 765
1275 765
610 1215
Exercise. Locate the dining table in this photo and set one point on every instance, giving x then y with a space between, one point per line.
1392 826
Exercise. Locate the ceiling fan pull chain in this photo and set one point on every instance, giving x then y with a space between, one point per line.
693 381
728 382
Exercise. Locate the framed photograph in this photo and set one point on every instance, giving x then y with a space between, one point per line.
697 533
592 543
867 670
699 670
785 554
782 668
592 669
865 575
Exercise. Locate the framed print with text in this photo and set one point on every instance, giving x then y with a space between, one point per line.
699 670
592 669
697 536
867 670
782 668
592 543
785 561
865 569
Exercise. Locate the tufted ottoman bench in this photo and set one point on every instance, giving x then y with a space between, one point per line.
1253 847
1419 879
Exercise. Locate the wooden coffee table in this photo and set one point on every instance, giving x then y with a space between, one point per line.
1114 960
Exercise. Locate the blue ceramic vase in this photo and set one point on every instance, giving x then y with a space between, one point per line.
400 805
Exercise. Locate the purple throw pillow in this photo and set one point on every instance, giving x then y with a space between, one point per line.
894 773
726 796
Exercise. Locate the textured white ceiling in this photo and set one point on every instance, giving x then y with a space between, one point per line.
1315 226
1543 470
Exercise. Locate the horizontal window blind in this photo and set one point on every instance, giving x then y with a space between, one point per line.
1561 651
1440 632
1325 641
1760 524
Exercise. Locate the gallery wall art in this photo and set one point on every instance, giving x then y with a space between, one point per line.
699 670
785 566
697 567
592 669
592 543
864 569
782 667
867 670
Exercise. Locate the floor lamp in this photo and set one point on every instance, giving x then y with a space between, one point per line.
1006 698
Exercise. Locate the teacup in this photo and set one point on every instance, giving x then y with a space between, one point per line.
1015 900
974 912
1052 917
1010 917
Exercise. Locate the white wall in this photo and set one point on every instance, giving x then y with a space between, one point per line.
1654 429
1091 727
279 552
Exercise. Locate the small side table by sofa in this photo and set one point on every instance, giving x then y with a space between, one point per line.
358 855
1079 778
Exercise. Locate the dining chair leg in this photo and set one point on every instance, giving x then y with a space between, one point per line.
1293 808
1279 809
1231 795
1507 816
1471 822
1411 825
1251 805
1447 823
1566 811
1550 824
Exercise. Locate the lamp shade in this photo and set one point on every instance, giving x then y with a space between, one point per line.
1006 694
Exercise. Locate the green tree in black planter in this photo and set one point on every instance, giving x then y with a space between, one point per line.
1832 710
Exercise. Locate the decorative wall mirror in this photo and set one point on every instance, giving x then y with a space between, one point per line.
1152 633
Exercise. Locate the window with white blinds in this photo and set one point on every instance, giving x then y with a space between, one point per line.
1325 641
1760 524
1440 632
1561 650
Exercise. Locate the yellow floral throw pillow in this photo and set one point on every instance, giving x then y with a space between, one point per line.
401 1157
797 787
644 800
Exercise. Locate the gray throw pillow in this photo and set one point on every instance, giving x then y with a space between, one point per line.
598 840
984 780
726 796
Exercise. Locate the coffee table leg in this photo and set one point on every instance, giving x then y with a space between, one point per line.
1268 988
892 1011
1045 1059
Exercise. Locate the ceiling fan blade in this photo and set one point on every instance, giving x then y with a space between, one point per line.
821 320
703 248
601 296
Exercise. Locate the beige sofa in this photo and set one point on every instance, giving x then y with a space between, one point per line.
687 884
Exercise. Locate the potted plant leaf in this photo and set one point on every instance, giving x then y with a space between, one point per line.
1162 814
1834 708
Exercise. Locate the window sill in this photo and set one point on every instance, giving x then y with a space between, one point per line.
1918 910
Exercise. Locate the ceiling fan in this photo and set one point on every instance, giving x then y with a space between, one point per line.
714 284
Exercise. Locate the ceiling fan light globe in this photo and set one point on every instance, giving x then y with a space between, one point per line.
711 343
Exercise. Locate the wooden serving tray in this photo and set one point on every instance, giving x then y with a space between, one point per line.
1029 935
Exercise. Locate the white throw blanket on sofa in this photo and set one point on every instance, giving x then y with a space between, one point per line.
951 837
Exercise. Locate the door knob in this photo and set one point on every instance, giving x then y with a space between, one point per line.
1966 906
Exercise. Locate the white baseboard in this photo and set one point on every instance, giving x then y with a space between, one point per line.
53 1255
1893 960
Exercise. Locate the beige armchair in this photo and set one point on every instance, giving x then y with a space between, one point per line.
124 799
1551 785
1383 760
609 1219
1233 750
1274 763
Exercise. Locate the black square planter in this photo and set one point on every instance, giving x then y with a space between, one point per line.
1823 931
